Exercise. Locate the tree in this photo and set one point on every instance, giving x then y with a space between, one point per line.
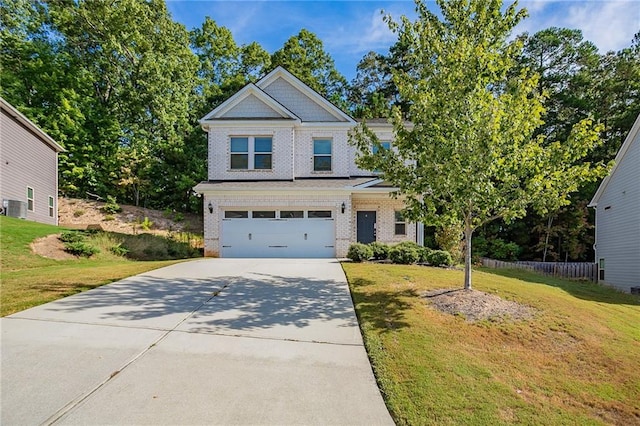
471 154
303 55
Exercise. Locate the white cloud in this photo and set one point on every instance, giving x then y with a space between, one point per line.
609 24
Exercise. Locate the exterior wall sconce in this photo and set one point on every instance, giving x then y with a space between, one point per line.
210 207
342 207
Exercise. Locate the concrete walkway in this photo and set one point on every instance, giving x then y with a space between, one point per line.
215 341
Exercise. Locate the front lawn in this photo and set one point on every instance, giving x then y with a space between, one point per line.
29 280
576 362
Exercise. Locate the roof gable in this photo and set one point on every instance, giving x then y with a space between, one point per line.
632 137
17 115
305 102
250 103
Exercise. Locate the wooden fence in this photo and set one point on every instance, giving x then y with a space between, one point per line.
572 270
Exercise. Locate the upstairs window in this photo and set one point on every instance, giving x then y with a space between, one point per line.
240 153
401 224
386 145
251 153
29 198
322 155
262 156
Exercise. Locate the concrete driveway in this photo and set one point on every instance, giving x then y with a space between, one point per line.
215 341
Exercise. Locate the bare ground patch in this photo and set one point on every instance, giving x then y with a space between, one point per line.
51 248
476 305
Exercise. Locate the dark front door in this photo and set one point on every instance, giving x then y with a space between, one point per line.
366 227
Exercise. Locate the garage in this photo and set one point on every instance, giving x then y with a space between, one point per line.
278 233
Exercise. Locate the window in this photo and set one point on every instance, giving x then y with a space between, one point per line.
322 155
234 214
50 206
262 156
29 198
319 214
386 145
401 225
251 153
240 153
269 214
601 270
291 214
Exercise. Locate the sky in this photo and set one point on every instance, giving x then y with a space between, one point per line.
351 28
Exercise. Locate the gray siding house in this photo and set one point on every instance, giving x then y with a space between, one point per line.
617 205
29 168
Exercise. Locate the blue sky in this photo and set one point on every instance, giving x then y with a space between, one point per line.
351 28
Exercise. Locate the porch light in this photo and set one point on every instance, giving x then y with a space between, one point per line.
342 207
210 207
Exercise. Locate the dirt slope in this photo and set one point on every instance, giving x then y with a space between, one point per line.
80 214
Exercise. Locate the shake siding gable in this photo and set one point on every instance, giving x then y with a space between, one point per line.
27 161
297 102
252 107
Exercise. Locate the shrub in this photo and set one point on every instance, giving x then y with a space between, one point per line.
404 253
80 248
359 252
109 218
380 250
78 213
118 250
440 258
71 237
146 224
424 253
502 250
111 206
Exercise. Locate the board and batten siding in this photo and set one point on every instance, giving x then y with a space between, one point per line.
618 219
27 161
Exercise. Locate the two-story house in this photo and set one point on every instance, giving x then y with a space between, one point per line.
28 168
282 177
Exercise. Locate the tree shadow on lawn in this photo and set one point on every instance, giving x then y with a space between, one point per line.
258 301
381 310
584 290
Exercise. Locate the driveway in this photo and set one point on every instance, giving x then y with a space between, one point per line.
214 341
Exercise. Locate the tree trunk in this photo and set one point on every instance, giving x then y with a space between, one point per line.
546 238
467 257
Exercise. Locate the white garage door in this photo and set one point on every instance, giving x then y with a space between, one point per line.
278 233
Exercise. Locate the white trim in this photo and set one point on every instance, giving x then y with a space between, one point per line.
635 129
280 72
246 91
33 199
30 125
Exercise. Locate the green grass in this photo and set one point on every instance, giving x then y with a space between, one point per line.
576 362
29 280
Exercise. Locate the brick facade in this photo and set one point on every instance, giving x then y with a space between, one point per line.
292 159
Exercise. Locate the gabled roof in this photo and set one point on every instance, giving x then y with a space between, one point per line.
254 102
280 72
30 125
273 109
633 134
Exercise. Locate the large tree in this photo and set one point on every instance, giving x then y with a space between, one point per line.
470 154
304 56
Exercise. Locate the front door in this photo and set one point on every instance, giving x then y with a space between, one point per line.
366 227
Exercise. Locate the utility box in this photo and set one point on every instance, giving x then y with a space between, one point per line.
15 208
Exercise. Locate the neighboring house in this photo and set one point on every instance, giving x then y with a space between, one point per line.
29 161
617 204
283 181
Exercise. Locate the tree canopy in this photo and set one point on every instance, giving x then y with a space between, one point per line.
471 153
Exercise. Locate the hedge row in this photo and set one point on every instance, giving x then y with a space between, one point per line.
404 253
